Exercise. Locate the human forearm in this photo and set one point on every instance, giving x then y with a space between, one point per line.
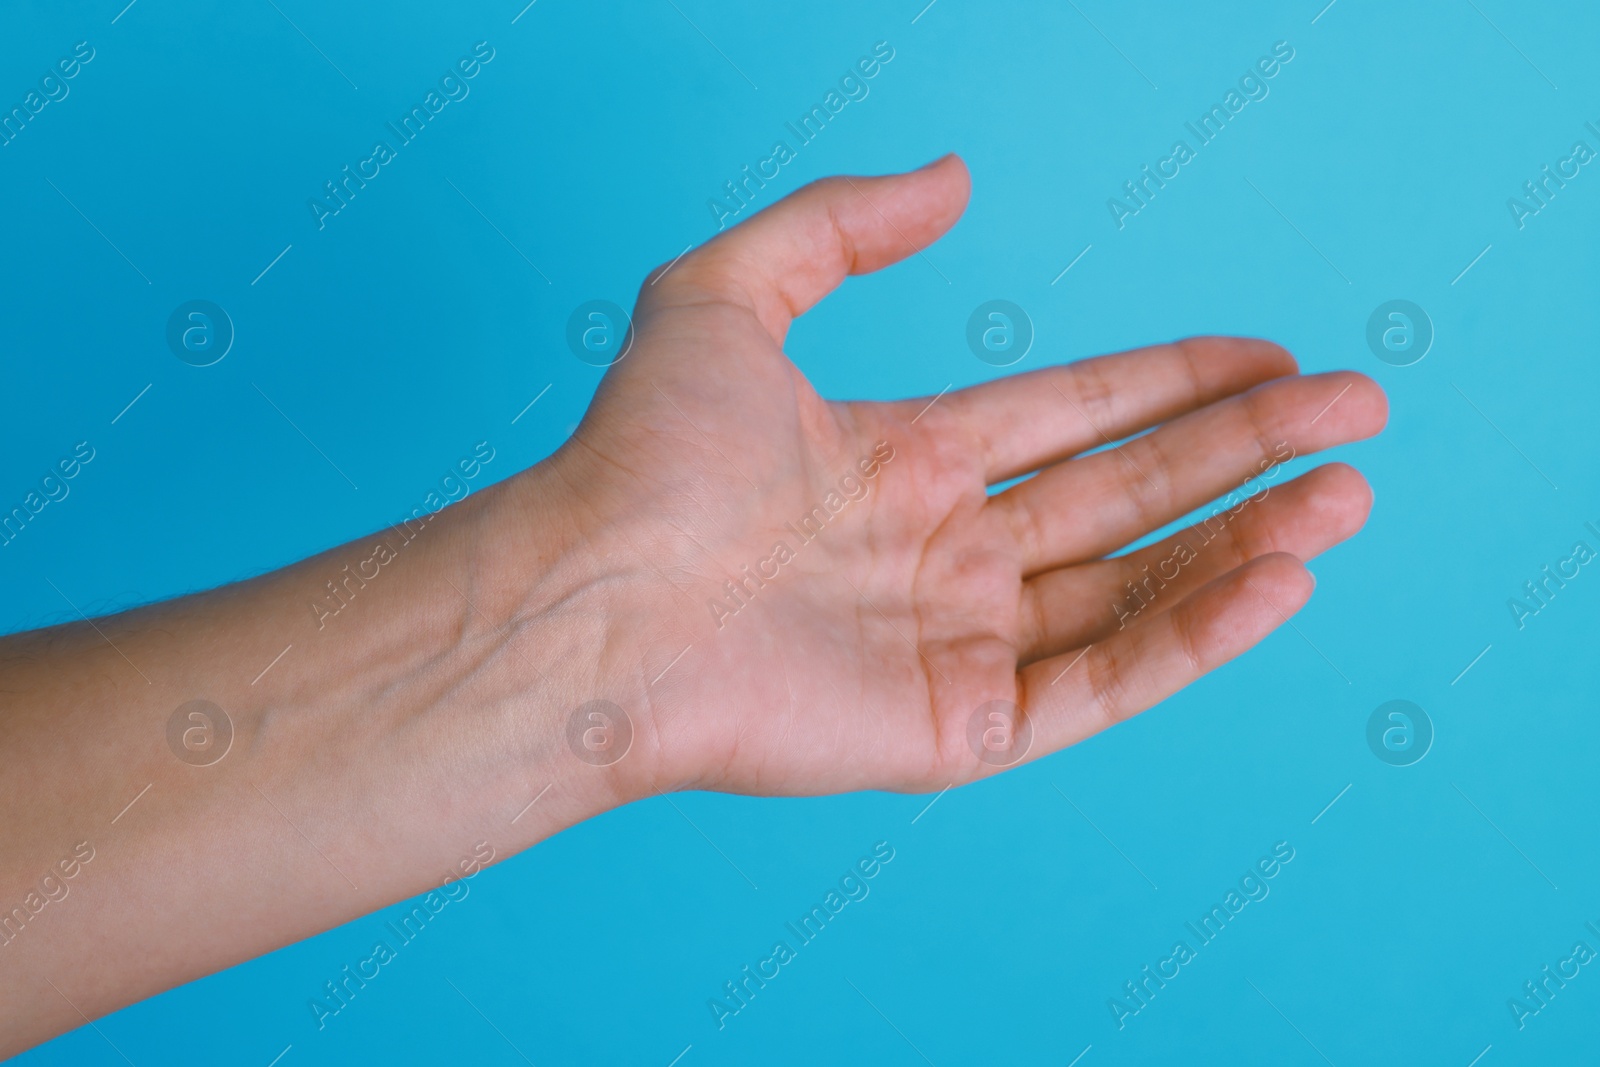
405 717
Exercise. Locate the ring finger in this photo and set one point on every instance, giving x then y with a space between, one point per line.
1075 606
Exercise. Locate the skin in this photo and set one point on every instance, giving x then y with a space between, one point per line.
371 759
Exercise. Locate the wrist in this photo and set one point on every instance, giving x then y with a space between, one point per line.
561 608
426 708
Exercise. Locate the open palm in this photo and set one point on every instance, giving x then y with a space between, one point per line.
819 596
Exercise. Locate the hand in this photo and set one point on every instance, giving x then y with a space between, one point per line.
785 595
856 652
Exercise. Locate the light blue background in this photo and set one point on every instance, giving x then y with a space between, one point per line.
409 329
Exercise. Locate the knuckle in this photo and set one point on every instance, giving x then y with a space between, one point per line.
1087 381
1191 349
1249 539
1146 480
1106 684
1027 527
1264 424
1037 616
1186 623
829 186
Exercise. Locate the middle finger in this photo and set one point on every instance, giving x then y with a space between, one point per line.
1084 508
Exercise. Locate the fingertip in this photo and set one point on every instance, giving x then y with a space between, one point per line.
1369 401
955 179
1350 488
1244 360
1278 359
949 161
1282 579
1382 402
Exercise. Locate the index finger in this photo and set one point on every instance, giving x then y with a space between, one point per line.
1028 421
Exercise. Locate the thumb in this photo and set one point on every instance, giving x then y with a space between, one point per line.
784 259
